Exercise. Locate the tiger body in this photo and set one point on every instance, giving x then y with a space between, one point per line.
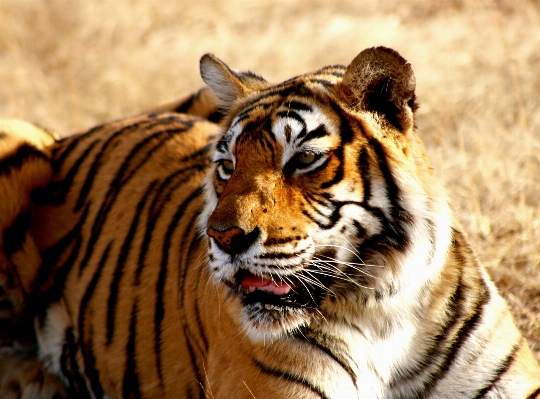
302 248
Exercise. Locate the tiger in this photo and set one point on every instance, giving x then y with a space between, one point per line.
300 247
24 166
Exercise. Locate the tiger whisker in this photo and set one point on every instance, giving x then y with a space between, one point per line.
332 260
354 252
320 263
326 264
307 289
311 281
348 278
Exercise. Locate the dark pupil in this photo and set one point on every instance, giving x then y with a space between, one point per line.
228 166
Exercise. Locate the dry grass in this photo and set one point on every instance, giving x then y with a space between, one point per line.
70 64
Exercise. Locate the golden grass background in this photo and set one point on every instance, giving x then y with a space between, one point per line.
68 65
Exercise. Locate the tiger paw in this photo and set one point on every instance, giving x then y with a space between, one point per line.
22 376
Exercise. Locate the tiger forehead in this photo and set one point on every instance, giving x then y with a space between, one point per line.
289 123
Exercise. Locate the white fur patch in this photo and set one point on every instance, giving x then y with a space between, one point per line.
51 337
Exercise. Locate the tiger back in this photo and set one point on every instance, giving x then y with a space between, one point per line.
300 249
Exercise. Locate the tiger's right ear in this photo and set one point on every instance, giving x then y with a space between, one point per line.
229 85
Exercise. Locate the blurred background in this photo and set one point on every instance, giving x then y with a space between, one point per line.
67 65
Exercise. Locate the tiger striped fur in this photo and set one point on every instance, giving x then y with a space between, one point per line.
300 249
24 166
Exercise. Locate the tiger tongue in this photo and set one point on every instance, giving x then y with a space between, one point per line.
252 283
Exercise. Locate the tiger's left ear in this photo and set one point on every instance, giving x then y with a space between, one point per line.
380 80
229 85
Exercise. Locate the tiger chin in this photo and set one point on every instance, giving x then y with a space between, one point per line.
299 248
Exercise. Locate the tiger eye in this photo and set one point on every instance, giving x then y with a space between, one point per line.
306 158
228 166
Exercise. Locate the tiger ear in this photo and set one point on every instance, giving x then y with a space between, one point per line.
229 85
380 80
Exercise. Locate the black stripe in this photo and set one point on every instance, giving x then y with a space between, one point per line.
70 367
454 310
338 176
85 340
535 394
324 203
319 131
15 235
503 368
330 346
61 152
281 255
345 128
334 217
121 262
395 229
290 114
363 167
245 113
91 174
300 106
216 116
295 378
391 186
184 107
49 284
278 241
323 82
267 128
163 195
55 193
463 334
334 70
123 131
196 367
194 241
24 154
160 284
130 384
126 171
223 144
267 144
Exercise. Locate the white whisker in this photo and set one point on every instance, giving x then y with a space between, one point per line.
321 263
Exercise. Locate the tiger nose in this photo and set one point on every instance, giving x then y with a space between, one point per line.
233 240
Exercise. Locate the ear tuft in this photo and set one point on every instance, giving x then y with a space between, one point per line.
381 81
228 85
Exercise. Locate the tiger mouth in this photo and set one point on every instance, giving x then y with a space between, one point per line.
271 293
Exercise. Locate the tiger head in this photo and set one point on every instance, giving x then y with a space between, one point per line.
320 203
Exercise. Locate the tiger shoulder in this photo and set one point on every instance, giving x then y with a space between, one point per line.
300 248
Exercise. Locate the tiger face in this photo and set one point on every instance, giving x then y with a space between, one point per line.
316 185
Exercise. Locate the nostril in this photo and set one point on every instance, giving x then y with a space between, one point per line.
233 240
227 237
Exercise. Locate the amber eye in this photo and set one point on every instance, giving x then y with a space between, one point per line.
228 166
306 158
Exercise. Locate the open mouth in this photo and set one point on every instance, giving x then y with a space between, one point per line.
272 292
